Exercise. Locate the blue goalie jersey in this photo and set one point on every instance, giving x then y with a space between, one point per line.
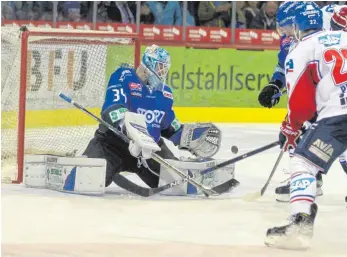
125 92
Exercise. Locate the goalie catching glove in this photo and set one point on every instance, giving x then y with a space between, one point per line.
201 139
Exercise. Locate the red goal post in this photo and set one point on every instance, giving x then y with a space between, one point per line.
39 63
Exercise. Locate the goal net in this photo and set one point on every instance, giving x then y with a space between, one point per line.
38 64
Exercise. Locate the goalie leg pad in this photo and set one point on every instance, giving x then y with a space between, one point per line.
193 167
79 175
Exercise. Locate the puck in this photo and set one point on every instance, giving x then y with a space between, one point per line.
234 149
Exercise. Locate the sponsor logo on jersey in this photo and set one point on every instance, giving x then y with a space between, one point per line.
135 86
124 74
152 116
167 94
343 101
118 114
175 124
289 66
343 88
322 150
136 94
330 40
300 184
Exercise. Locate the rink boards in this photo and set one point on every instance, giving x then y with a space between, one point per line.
74 117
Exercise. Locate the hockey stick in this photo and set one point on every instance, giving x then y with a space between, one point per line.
146 192
239 158
222 188
156 157
279 94
254 196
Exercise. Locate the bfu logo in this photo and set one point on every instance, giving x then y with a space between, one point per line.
152 116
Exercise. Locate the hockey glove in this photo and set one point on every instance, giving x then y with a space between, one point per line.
137 151
288 137
266 94
141 144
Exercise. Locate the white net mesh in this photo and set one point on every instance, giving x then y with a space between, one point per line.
79 67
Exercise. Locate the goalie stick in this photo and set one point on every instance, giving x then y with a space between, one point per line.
146 192
224 187
156 157
239 158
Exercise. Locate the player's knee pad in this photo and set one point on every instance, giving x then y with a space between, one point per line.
303 189
300 165
303 184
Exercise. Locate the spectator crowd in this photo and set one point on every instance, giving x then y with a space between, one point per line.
249 14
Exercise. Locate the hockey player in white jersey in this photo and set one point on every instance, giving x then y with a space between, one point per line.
316 77
336 21
328 12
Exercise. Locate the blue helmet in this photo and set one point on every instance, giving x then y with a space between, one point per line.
308 16
285 14
157 61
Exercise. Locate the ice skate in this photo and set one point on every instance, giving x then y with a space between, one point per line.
296 235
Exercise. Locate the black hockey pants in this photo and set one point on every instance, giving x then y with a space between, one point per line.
108 146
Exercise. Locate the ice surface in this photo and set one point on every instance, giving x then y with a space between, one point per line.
43 223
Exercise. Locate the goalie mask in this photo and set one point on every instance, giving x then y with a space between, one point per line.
157 62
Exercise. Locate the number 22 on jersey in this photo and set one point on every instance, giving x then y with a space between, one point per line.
339 60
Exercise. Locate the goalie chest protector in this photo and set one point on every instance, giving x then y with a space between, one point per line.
79 175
